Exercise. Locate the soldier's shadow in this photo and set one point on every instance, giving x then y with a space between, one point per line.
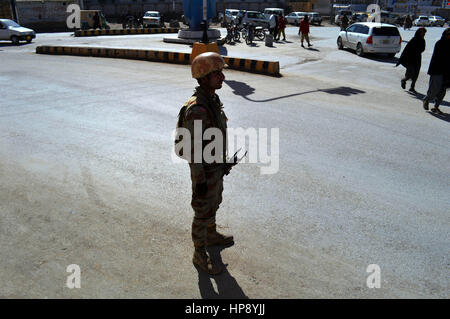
227 286
244 90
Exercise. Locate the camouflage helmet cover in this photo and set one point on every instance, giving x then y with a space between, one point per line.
205 63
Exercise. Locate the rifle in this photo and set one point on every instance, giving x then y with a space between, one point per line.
235 160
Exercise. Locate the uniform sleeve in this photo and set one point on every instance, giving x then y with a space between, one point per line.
196 113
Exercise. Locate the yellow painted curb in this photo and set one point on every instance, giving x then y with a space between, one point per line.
93 33
248 65
254 66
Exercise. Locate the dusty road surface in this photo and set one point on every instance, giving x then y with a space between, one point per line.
86 178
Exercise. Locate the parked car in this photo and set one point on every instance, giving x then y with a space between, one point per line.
422 21
256 18
340 14
388 17
436 21
295 17
315 18
269 11
360 16
385 17
371 37
152 19
231 15
10 30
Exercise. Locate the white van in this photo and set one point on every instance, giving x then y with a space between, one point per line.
371 37
269 11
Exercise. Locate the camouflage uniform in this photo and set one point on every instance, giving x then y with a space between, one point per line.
209 110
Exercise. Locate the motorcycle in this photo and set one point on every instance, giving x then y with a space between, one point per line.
260 33
233 34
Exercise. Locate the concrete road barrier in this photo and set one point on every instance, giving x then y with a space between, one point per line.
254 66
135 54
248 65
93 33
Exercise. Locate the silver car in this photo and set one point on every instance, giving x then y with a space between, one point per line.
422 21
315 18
295 17
436 21
371 37
256 18
10 30
231 15
152 19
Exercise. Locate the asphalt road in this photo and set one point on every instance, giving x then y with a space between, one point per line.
87 176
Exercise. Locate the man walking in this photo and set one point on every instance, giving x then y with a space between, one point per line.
204 107
411 59
304 31
439 71
281 27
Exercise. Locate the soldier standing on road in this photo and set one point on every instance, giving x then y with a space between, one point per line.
411 59
439 71
207 178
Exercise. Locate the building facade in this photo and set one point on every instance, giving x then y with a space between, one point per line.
51 15
40 15
6 9
321 6
114 9
418 7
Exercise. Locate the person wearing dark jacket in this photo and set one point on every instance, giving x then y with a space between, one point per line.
439 71
411 58
407 23
275 30
96 21
344 22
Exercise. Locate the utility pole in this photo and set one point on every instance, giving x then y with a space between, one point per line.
205 22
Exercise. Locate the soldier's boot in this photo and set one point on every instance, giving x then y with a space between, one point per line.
202 260
214 238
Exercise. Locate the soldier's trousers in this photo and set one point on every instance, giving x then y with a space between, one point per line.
205 207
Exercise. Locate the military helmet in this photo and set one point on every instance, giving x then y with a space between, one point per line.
205 63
